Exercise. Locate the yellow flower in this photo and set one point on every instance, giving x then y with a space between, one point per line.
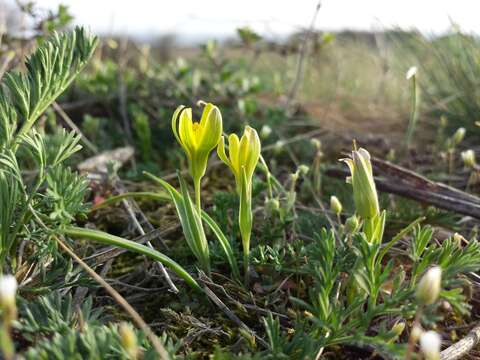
243 155
197 139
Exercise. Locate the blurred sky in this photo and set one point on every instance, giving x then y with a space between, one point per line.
196 19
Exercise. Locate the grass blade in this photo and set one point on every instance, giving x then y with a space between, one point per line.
108 239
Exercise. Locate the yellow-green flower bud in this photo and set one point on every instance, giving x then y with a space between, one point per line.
316 143
398 328
468 158
335 205
364 190
443 121
303 169
272 205
352 224
391 155
242 153
459 136
197 139
416 333
243 156
428 289
129 340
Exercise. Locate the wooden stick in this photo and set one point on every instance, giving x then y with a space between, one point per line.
394 179
462 347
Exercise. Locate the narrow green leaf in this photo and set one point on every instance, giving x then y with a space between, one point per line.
192 227
224 243
108 239
194 221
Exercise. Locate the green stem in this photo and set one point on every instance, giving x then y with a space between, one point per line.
246 257
413 113
197 183
6 343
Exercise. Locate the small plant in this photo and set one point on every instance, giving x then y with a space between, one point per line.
243 156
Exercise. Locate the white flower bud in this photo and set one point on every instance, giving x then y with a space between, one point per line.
265 131
430 344
278 147
8 290
468 158
429 286
335 205
411 72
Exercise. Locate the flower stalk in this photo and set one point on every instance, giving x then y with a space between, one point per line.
242 159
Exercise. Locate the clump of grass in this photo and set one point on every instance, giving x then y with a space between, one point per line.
450 73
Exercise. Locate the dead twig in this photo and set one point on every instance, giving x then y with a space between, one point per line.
462 347
230 314
74 127
301 58
394 179
139 227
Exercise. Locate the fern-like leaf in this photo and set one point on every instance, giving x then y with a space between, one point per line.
50 70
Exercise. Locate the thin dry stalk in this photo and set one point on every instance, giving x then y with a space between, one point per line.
74 127
142 325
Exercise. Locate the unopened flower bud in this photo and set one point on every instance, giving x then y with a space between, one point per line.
459 135
8 291
468 158
272 205
294 177
129 340
391 155
443 121
416 333
411 72
265 131
317 143
364 190
352 224
428 289
335 205
278 147
459 239
303 169
398 328
430 344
